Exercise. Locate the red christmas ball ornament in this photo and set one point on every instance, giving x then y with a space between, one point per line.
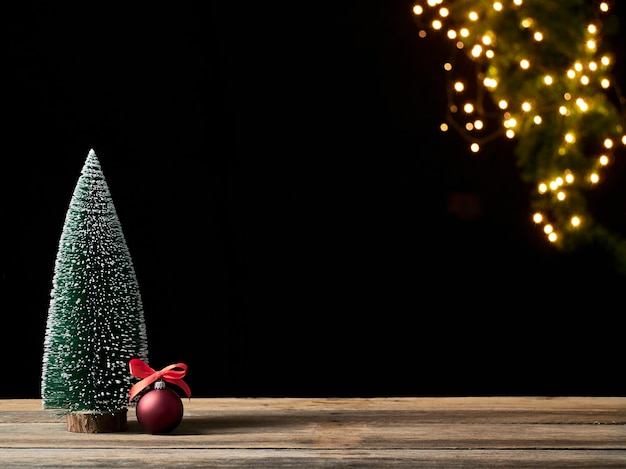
160 410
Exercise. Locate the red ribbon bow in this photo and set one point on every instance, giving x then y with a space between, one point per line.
140 369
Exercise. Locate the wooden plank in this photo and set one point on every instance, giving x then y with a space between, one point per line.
293 434
613 408
314 459
379 432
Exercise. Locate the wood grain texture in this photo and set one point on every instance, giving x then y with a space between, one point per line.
450 432
89 422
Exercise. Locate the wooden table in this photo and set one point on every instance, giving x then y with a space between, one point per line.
437 432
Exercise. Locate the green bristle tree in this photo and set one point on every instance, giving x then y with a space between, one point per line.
95 321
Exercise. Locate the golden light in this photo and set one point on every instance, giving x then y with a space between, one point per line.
490 83
563 91
510 123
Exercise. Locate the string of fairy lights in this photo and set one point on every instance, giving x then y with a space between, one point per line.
542 76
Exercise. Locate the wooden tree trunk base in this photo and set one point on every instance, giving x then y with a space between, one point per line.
95 422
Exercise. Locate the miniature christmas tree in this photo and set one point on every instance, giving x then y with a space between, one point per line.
95 319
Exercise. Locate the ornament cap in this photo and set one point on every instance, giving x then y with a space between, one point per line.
160 384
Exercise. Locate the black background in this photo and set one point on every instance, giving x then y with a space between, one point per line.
288 201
